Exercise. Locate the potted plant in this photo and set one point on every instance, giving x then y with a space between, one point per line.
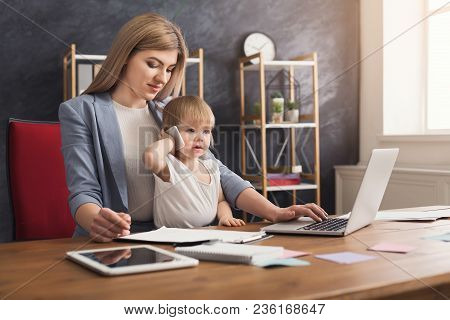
292 113
277 111
277 107
256 110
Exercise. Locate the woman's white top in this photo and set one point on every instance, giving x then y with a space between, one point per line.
184 201
138 130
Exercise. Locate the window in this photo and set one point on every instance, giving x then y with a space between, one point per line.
416 67
438 66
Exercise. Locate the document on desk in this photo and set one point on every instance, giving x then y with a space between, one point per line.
432 214
177 235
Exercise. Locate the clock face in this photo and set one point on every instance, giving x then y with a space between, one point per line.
259 42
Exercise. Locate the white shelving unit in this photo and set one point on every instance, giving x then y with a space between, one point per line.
310 121
80 69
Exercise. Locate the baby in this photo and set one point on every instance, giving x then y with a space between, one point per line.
188 193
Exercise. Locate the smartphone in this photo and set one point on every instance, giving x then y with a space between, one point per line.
175 134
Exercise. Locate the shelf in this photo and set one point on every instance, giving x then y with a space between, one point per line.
79 70
301 186
280 125
90 57
192 61
306 124
279 65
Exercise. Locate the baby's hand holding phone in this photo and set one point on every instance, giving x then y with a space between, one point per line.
175 134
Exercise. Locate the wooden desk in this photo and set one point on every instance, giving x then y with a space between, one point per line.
37 270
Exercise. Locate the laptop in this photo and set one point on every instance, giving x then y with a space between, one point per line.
364 210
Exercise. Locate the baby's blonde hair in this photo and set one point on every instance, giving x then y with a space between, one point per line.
187 108
190 109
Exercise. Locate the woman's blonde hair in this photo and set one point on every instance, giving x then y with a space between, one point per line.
149 31
187 108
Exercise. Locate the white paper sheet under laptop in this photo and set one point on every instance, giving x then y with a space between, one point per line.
365 208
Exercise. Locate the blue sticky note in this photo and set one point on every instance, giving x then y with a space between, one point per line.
442 237
290 262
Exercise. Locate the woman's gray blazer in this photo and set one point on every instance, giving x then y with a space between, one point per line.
94 161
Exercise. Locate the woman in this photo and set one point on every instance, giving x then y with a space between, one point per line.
105 131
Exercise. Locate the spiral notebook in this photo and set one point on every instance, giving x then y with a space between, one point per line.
231 252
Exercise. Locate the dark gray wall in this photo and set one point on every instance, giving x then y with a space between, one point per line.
34 35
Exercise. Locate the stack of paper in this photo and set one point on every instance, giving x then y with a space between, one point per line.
430 214
177 235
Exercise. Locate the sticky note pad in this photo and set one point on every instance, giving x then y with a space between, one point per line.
345 257
392 247
281 262
292 254
443 237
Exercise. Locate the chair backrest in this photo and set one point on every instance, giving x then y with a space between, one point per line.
37 183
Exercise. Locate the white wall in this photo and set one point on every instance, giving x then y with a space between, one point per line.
422 172
407 188
404 76
371 86
416 151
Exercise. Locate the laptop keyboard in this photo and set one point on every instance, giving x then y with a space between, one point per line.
327 225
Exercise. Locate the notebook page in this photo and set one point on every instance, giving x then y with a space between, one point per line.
178 235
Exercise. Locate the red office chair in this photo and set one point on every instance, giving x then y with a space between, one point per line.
37 181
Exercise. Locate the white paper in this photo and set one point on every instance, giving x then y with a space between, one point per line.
413 215
177 235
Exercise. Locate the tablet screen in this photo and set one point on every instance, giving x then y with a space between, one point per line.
128 257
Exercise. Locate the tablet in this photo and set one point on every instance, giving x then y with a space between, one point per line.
130 259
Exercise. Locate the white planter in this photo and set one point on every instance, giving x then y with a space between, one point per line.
292 115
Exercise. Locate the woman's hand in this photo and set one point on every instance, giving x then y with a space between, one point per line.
229 221
253 202
108 225
311 210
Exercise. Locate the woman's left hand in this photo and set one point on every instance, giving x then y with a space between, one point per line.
311 210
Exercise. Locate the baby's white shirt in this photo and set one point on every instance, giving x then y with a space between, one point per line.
184 201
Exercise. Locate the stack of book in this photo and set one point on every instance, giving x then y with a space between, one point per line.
283 179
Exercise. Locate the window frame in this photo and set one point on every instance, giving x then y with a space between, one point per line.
428 11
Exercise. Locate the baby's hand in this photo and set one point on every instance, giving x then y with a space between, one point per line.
229 221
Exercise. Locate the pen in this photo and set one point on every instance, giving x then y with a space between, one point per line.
257 237
193 243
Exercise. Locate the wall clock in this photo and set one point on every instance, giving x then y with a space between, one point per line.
259 42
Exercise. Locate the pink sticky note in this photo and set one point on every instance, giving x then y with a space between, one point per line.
392 247
345 257
292 254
